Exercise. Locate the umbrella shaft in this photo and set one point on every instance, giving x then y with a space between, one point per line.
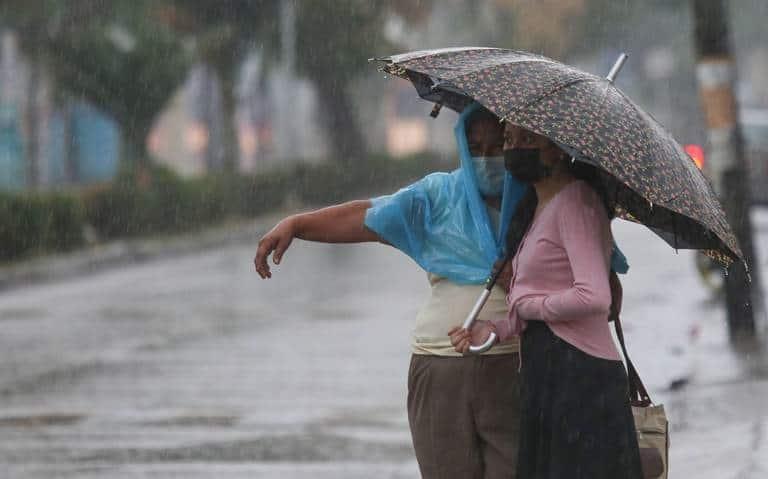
476 309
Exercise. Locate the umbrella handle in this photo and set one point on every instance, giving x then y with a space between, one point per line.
471 319
495 273
485 346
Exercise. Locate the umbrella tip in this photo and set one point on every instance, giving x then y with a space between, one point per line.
616 67
435 110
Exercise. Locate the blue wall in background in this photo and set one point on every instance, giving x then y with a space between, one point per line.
95 145
12 174
95 148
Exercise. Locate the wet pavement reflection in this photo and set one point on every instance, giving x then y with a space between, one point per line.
194 367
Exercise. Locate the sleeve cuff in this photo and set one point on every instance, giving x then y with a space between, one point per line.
503 328
530 308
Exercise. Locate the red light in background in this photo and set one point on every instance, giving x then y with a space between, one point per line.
696 153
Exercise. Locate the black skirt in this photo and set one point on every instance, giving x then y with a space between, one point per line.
576 421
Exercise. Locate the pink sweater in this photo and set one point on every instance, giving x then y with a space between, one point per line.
560 273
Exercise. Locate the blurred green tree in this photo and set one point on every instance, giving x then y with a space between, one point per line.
563 28
118 55
222 34
329 42
336 38
128 56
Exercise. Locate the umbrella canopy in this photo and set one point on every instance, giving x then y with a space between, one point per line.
648 176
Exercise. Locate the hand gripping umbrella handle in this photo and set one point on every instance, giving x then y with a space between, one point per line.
479 306
471 319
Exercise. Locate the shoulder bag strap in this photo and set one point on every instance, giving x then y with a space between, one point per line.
638 395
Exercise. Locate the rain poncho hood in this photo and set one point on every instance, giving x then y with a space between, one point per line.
441 221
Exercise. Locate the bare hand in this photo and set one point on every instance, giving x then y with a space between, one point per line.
478 333
277 240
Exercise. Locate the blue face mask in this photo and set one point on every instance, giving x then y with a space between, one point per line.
490 174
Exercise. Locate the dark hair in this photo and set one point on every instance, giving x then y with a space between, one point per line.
592 176
481 114
521 220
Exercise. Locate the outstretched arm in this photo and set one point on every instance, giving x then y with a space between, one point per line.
344 223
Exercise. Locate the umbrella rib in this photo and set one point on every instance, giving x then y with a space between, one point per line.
661 201
641 113
425 53
396 66
462 75
668 202
684 216
552 91
638 112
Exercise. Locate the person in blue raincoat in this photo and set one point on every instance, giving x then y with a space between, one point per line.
454 226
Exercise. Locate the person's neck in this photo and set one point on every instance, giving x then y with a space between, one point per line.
547 188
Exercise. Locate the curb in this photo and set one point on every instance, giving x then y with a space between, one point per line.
117 253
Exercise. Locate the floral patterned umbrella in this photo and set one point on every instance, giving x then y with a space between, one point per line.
648 176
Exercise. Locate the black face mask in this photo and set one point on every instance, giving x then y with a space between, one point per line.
525 164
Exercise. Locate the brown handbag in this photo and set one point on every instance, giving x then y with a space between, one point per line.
650 420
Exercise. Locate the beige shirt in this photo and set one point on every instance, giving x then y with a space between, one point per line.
447 306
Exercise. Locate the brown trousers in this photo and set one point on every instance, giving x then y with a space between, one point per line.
464 415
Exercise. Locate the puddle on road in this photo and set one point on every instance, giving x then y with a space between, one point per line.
379 418
278 448
54 380
40 420
333 314
21 314
130 314
195 421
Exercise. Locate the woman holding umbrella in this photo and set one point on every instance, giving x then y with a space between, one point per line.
576 419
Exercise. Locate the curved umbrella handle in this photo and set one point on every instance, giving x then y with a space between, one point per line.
485 346
471 319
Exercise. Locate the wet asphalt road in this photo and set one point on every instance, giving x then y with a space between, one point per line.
193 367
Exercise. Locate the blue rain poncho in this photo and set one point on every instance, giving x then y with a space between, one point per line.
442 223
